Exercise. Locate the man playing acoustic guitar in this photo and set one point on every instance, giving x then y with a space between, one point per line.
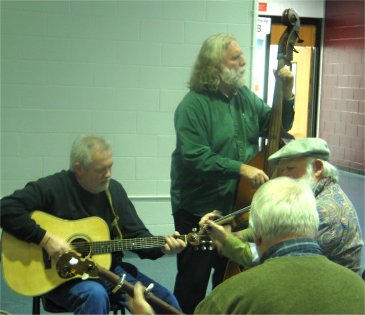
85 191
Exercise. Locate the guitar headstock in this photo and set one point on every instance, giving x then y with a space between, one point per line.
72 264
200 240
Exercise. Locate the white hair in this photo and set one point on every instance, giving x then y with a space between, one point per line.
329 170
284 206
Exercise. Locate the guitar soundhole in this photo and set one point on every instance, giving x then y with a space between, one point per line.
82 246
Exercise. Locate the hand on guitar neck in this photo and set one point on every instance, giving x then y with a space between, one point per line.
174 244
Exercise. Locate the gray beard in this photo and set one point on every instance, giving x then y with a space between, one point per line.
234 78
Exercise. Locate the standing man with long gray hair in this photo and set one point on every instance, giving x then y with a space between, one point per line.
218 124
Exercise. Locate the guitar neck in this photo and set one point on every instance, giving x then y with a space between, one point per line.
105 247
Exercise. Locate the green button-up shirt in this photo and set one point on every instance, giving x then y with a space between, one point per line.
214 136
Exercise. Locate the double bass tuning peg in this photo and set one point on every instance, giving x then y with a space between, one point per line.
299 40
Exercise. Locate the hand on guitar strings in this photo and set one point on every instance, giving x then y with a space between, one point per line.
54 246
174 244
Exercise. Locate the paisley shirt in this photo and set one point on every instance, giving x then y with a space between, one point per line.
339 230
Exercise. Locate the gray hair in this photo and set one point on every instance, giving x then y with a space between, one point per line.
206 72
284 206
329 170
84 146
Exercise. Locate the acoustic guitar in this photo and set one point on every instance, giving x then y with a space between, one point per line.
28 269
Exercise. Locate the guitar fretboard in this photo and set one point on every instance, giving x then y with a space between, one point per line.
110 246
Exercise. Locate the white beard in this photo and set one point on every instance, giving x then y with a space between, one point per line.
234 78
309 178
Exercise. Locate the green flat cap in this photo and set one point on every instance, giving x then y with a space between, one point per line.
313 147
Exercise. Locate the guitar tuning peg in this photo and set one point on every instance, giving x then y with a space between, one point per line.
211 247
91 267
204 247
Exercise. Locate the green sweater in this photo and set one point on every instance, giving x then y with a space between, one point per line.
289 285
214 136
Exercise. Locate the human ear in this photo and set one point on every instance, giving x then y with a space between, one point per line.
78 168
317 168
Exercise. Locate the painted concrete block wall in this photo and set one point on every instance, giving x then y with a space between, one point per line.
115 68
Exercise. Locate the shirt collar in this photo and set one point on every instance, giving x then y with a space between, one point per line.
293 247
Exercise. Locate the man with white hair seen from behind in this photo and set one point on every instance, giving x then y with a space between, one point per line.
294 277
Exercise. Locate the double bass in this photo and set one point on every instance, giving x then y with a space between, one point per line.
277 136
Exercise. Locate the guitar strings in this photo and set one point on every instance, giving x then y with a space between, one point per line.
122 244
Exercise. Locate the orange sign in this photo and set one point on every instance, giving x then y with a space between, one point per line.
262 6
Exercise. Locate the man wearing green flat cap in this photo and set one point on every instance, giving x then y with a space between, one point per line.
339 233
305 147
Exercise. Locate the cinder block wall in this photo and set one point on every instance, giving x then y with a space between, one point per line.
115 68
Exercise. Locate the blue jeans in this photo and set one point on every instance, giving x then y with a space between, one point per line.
94 296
